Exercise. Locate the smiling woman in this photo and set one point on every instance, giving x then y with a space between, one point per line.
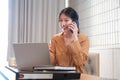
3 31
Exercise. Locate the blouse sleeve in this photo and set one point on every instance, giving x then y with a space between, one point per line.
79 51
52 51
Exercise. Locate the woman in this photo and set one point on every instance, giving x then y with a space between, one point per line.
70 47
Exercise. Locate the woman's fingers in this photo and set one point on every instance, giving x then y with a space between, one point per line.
73 26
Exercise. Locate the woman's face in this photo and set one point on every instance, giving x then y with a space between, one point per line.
65 22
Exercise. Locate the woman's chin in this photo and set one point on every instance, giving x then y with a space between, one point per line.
66 31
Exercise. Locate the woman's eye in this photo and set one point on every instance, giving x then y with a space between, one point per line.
66 20
60 20
63 20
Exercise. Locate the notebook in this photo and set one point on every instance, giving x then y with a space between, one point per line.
29 55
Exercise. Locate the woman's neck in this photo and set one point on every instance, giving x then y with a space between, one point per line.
67 35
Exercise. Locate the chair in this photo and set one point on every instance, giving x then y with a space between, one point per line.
92 65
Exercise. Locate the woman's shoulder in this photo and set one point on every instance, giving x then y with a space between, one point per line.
82 36
57 36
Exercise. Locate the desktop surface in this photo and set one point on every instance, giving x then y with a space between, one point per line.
83 77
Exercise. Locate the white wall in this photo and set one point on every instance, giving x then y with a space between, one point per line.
106 62
100 20
116 62
109 62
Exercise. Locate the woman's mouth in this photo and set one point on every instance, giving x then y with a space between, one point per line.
65 28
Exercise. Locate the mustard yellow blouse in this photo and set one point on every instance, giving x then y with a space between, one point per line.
74 54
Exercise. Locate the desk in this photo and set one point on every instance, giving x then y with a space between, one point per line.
89 77
83 77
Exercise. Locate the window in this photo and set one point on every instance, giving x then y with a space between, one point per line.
66 3
3 30
100 20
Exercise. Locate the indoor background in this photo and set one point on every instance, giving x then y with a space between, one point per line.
34 21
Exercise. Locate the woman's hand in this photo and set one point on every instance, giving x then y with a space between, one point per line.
74 29
73 35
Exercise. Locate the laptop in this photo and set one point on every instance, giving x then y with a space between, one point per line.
29 55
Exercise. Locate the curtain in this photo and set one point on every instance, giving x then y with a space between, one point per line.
32 21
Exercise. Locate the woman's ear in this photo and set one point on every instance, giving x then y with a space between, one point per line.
77 22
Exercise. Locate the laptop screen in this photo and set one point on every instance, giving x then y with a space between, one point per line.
29 55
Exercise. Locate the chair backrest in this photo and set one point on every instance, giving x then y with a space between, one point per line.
93 64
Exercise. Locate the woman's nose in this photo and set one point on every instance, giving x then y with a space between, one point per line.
63 23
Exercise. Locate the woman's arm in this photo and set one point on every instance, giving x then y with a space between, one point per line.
79 51
52 51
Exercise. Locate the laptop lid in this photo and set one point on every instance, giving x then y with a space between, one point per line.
31 54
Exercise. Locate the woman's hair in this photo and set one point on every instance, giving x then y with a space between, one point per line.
70 12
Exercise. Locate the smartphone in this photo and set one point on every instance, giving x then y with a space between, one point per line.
76 21
71 30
